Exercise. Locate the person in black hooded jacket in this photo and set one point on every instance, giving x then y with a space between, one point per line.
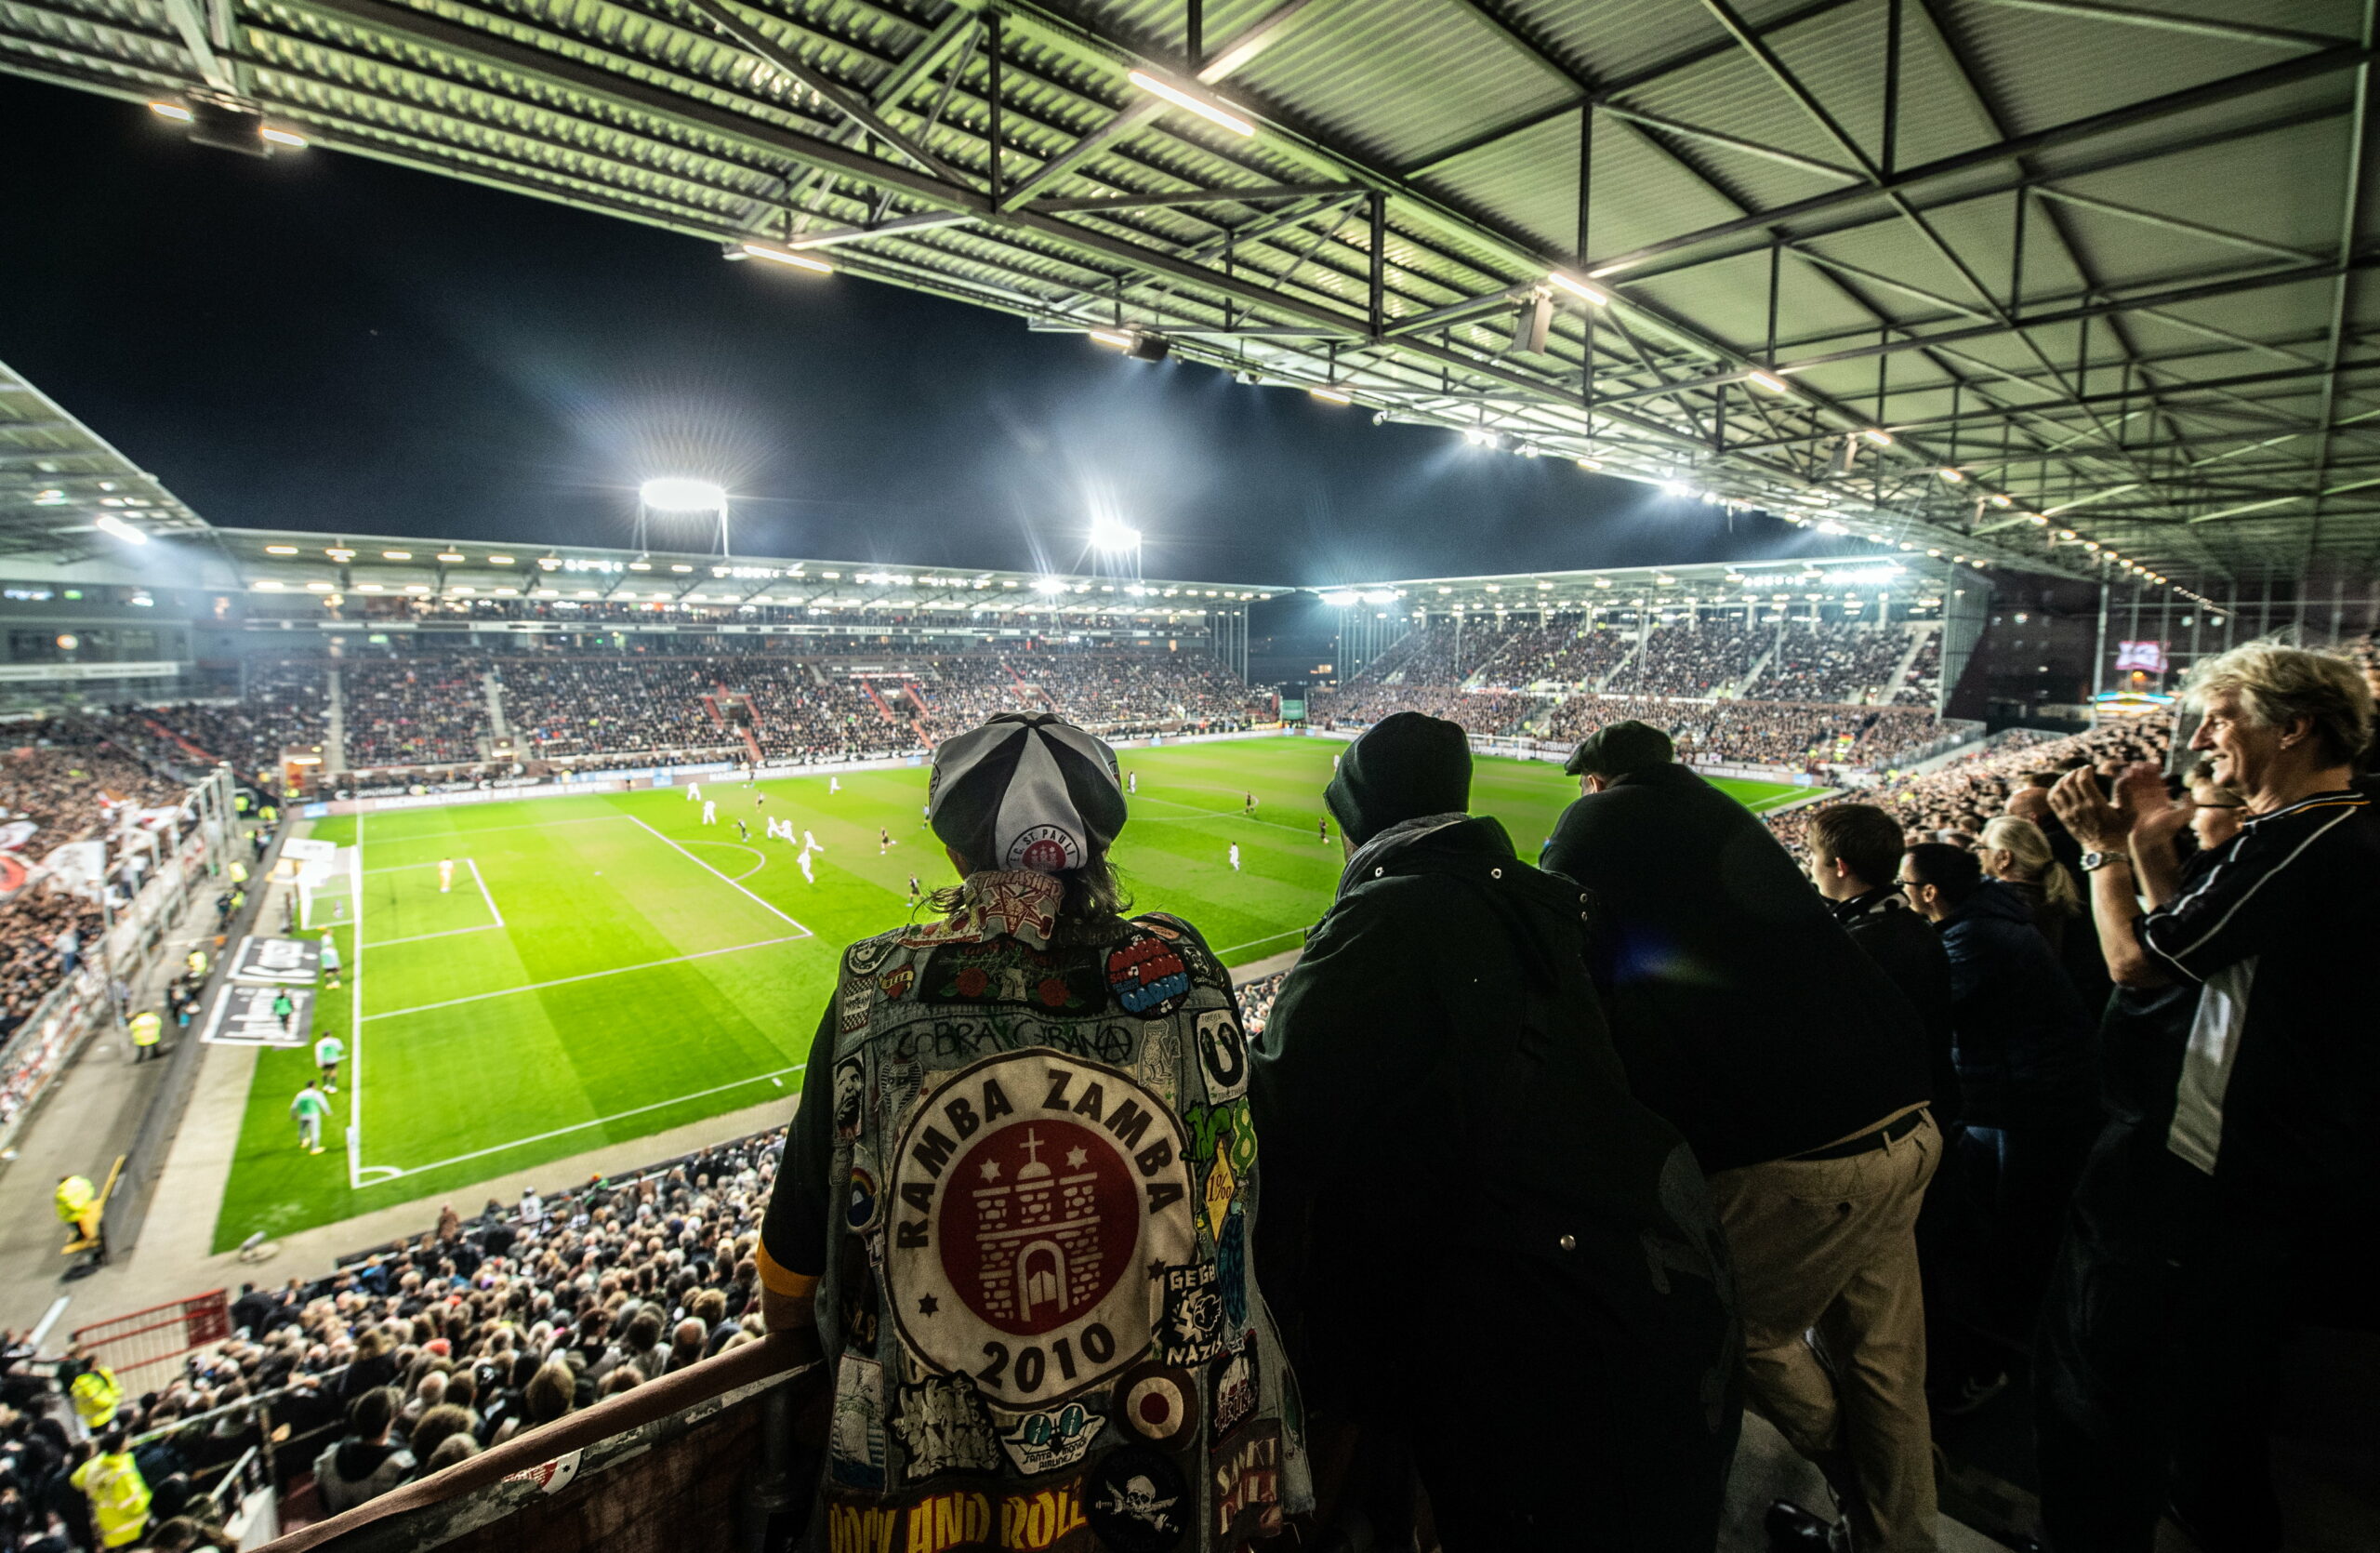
1482 1249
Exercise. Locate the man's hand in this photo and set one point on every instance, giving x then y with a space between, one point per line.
2140 792
2098 824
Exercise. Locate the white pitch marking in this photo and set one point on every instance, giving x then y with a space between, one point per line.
582 1126
1268 939
720 877
449 933
759 861
49 1319
472 864
355 1023
594 975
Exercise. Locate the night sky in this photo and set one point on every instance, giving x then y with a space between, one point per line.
329 343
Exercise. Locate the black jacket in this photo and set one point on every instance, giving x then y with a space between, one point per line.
1444 1118
2023 1045
1742 1009
1907 949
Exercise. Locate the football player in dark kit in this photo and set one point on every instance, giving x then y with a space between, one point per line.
1486 1257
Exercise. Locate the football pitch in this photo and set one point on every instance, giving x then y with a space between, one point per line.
607 966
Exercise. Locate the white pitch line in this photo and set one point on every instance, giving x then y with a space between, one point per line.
1270 937
595 975
355 1024
775 1078
759 861
49 1319
473 864
449 933
720 877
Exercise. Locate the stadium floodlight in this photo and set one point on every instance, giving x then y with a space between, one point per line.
1342 600
673 494
1199 103
1589 464
1880 438
289 138
1331 395
1050 585
1770 381
1953 476
1594 294
173 111
107 523
1379 595
785 257
1112 536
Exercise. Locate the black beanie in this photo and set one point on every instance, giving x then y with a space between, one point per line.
1405 765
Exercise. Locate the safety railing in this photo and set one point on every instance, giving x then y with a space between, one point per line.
158 1335
700 1458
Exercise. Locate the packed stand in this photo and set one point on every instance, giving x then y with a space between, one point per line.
562 704
1921 685
1833 660
424 710
283 707
1484 712
60 783
1127 691
1693 660
1762 733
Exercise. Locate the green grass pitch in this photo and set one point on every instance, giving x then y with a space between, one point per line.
607 967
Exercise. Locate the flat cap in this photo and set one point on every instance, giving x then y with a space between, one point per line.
1618 748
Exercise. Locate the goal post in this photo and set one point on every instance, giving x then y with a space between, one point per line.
326 888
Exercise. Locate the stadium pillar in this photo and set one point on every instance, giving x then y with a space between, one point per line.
2099 653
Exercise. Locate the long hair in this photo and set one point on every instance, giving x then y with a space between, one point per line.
2028 847
1094 900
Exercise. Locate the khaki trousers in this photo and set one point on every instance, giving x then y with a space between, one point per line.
1835 1325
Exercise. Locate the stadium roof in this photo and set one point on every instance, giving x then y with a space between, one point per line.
1909 582
58 479
269 562
2095 261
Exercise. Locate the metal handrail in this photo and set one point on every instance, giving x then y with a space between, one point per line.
778 1354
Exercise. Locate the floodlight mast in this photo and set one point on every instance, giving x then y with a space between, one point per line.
677 494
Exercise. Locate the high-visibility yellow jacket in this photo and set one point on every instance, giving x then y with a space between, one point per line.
74 1195
146 1028
239 872
119 1498
97 1394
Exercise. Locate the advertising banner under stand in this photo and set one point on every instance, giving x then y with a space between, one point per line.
241 1015
283 961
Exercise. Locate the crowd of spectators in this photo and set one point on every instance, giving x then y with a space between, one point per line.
1486 712
1762 733
569 704
62 781
1701 658
426 709
1921 685
284 704
1954 801
1830 660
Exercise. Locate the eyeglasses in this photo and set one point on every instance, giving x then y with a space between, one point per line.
1909 884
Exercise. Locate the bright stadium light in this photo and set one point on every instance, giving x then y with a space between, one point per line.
1342 600
672 494
1115 538
1197 103
283 137
1880 438
1333 395
1116 337
107 523
1773 383
785 257
1050 585
173 111
1594 294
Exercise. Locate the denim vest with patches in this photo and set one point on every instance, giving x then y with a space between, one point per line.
1039 1306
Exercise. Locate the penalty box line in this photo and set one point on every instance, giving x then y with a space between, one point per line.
590 976
391 1172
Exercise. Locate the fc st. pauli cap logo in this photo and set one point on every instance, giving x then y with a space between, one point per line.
1032 1195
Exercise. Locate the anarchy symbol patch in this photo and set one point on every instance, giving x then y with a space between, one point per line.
1030 1194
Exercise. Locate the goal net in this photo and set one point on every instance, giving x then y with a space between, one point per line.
326 884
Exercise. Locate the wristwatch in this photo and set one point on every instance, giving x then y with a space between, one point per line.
2093 861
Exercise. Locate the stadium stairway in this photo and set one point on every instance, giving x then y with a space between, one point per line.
1744 686
334 720
499 728
1920 632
